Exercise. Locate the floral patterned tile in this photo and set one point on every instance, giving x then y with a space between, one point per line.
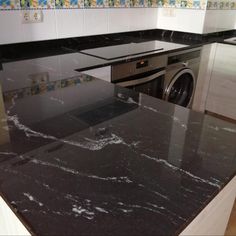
37 4
232 5
9 4
90 3
68 4
221 5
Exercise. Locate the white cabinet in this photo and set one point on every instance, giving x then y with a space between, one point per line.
204 77
221 97
103 73
9 223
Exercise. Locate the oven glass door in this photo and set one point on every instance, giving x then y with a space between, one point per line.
151 84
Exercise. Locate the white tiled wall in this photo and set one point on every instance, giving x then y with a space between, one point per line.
118 20
69 25
80 22
219 20
10 25
95 21
187 20
64 23
41 31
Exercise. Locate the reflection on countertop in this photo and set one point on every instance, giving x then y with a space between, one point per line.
96 157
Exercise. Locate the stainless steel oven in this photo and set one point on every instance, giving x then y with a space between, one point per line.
144 75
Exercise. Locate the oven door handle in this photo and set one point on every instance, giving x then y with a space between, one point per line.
141 80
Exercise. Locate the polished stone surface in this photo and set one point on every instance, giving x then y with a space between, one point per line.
79 156
132 49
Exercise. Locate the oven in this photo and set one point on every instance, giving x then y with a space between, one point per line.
145 75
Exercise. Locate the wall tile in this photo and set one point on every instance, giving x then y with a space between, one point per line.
219 20
9 4
58 4
119 3
69 25
138 19
11 27
69 4
43 30
110 16
178 19
118 20
151 18
95 21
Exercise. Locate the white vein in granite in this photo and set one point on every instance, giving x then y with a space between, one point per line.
128 100
153 208
101 210
10 79
92 145
174 118
78 210
57 100
229 130
175 168
165 209
216 128
121 179
13 103
151 109
8 153
126 211
31 198
154 192
136 206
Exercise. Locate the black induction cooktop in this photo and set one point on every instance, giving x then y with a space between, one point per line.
124 50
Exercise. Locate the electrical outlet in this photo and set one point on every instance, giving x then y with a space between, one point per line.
169 12
32 16
25 17
36 16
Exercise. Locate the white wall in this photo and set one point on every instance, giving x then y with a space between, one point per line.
187 20
219 20
196 21
79 22
63 23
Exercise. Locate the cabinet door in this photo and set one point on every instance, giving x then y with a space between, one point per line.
9 223
222 91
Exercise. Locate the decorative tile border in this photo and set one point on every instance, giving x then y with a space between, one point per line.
221 5
9 4
45 87
70 4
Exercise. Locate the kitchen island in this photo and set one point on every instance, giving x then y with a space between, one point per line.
80 156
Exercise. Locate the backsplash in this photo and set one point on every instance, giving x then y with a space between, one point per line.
221 4
70 4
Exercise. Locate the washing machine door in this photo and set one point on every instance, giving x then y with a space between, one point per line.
181 88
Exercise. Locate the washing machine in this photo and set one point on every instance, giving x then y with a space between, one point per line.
181 77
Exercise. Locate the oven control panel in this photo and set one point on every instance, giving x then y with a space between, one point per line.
127 69
141 64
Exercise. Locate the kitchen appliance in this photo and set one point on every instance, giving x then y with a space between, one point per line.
124 50
143 75
181 77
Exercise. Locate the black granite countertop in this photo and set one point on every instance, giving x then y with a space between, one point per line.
73 59
72 46
80 156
